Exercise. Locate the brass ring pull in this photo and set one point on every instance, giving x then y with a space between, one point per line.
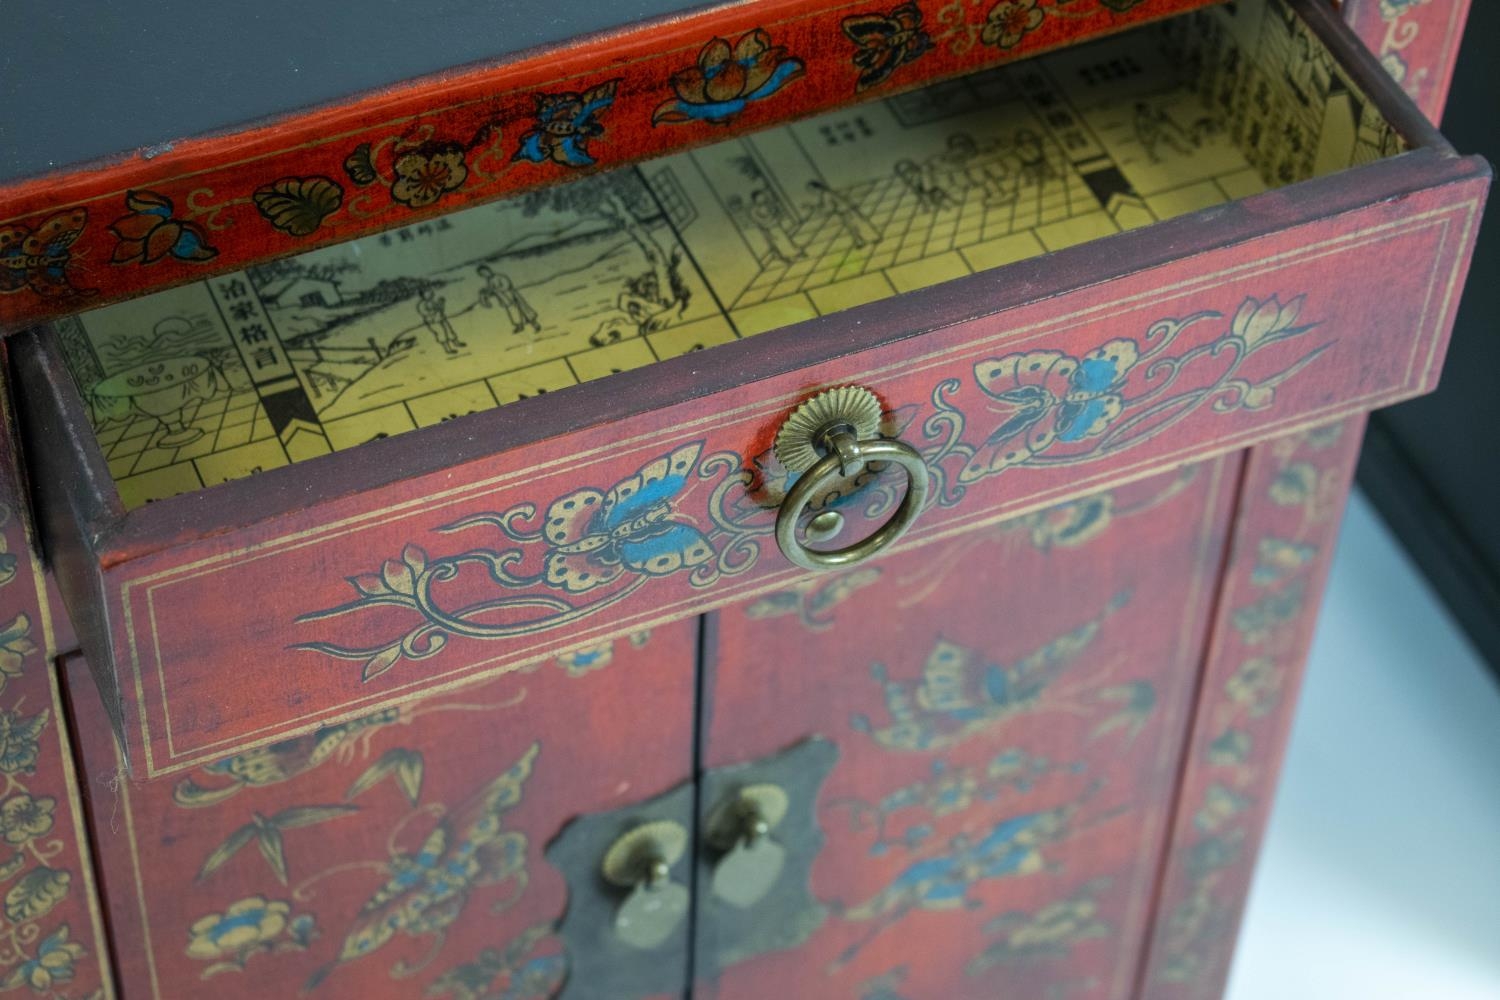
831 436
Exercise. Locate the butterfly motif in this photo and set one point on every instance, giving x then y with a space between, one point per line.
38 259
427 890
596 538
961 693
885 43
565 124
1053 397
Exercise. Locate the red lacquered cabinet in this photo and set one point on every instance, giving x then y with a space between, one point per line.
780 499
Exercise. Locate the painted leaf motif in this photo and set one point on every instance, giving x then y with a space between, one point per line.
273 849
36 894
381 662
226 850
148 201
290 819
405 765
359 165
298 205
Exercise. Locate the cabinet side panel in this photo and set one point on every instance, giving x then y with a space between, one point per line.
1293 499
399 854
1009 710
1417 42
51 934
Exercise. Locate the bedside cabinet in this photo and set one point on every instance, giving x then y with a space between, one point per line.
775 500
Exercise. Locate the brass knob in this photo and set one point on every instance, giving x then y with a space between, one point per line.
834 435
741 828
641 860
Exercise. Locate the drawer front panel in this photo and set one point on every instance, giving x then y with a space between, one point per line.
1009 711
352 604
399 854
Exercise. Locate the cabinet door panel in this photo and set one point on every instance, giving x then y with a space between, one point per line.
1009 711
391 855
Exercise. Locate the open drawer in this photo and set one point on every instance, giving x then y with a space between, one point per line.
1057 276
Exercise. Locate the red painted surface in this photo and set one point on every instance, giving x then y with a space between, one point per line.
51 937
1417 42
1291 505
185 859
202 205
1271 334
1010 708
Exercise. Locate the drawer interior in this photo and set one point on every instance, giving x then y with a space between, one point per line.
463 312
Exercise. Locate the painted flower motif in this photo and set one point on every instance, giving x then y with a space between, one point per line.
38 891
1393 9
1009 20
726 80
1255 686
53 964
424 175
149 232
953 794
245 926
885 43
582 661
595 538
1054 396
1258 322
1395 67
1278 558
15 644
1294 484
23 818
1071 524
1220 806
18 741
564 125
1230 748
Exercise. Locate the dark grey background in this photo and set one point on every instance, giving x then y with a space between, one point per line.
87 79
1432 466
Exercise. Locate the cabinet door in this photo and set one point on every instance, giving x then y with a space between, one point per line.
1008 712
395 854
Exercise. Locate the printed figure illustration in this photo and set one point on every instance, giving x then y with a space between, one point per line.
1154 128
1031 154
840 208
929 198
959 695
499 291
966 165
770 219
348 343
434 312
